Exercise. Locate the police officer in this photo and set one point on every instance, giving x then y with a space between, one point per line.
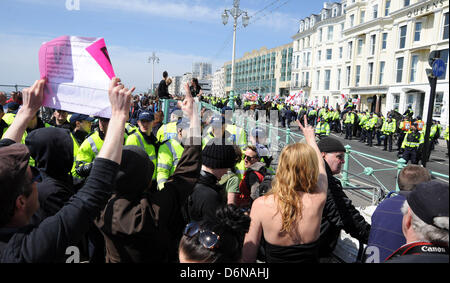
169 130
411 143
405 126
349 123
370 128
89 149
322 128
446 137
81 125
362 123
169 154
239 134
388 131
144 137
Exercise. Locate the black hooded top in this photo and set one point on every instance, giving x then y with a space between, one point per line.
52 150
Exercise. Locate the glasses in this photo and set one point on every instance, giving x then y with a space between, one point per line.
208 239
246 157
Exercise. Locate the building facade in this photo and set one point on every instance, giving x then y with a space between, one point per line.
264 71
218 83
378 53
174 87
201 70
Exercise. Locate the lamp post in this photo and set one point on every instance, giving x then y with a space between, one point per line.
235 12
153 59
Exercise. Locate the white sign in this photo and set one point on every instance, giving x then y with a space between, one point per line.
78 72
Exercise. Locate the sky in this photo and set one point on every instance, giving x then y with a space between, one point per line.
180 32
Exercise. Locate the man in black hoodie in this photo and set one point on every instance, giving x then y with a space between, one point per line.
339 212
52 150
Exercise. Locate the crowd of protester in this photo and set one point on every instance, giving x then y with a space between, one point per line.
198 188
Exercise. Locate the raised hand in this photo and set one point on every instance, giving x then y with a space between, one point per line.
120 98
308 130
33 97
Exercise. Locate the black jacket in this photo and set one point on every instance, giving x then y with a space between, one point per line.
52 150
339 214
146 227
206 198
49 241
163 90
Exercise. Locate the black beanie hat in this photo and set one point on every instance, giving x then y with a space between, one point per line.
330 145
217 155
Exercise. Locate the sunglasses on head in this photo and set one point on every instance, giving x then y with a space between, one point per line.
207 239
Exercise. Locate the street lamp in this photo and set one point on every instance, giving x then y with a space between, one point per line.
150 60
235 12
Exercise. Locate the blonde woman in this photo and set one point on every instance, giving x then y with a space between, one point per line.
286 221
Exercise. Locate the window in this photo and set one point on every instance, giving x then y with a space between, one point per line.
372 44
327 79
330 32
298 62
382 64
414 61
339 79
296 80
403 37
349 50
417 31
317 79
406 3
320 35
396 103
358 75
342 27
335 10
352 20
348 75
360 46
384 44
307 79
308 59
445 35
438 104
363 15
341 50
319 55
386 9
370 73
375 11
399 69
329 54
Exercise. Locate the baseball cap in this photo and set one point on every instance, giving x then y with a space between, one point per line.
80 117
429 200
146 116
13 106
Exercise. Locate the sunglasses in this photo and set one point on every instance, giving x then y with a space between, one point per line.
246 157
208 239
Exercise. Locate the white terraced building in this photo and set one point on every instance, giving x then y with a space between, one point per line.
374 50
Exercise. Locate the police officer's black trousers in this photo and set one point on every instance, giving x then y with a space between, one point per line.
388 140
348 131
410 154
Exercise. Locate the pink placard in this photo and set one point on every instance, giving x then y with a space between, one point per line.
99 52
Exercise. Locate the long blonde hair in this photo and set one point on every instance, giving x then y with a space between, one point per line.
298 170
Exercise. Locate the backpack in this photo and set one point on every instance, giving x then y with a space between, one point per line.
265 184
